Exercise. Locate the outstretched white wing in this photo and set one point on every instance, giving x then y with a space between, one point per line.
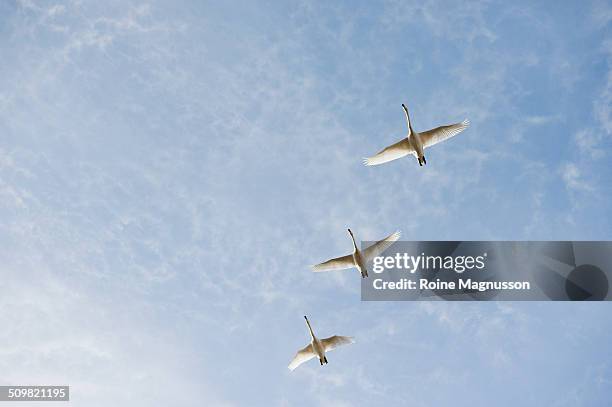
398 150
439 134
333 342
340 263
379 247
302 356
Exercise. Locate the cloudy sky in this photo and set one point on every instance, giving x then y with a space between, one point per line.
168 170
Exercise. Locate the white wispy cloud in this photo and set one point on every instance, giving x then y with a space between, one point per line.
573 178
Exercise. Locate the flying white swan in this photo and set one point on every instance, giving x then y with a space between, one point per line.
415 143
358 258
318 347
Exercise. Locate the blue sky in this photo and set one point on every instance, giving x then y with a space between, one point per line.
168 170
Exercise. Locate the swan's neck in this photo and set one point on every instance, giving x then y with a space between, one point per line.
407 119
310 329
353 240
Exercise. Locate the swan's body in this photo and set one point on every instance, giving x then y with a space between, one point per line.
358 258
415 143
317 347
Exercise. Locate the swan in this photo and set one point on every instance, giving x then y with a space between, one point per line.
415 143
318 347
358 258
